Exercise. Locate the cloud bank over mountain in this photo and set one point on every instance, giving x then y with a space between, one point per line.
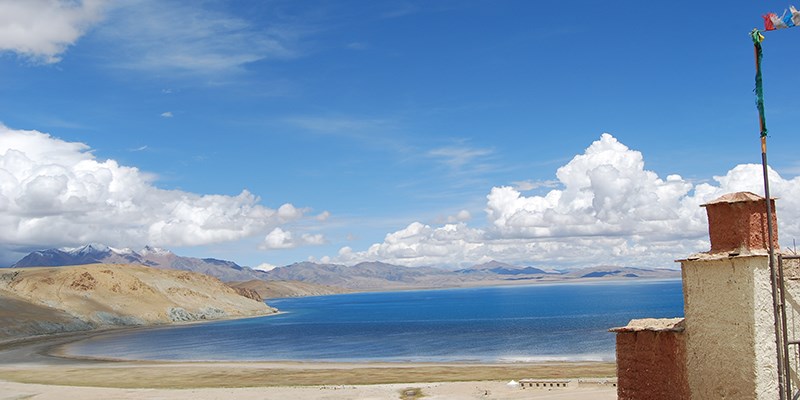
56 193
607 208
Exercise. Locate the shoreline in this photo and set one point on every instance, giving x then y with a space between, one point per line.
493 284
39 367
33 367
59 349
47 348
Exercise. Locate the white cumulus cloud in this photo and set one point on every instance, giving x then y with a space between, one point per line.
608 209
283 239
461 216
525 186
57 193
278 239
606 191
314 239
41 30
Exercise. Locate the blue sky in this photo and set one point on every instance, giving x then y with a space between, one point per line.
388 127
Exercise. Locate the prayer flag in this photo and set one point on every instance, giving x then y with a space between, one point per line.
778 21
768 24
788 19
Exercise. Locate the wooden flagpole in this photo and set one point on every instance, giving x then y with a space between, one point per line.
778 308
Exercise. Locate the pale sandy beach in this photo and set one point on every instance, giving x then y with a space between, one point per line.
30 370
444 390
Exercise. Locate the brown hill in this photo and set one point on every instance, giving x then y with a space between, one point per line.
95 253
56 299
19 317
278 289
616 272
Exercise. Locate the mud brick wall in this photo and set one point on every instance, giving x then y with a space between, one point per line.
651 365
742 225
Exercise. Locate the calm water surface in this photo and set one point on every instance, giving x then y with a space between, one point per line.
494 324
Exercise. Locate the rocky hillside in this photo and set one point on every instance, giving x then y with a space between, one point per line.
279 289
47 300
150 256
20 317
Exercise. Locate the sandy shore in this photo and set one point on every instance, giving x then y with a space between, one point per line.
30 369
444 390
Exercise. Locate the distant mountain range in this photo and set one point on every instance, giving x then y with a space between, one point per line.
496 267
150 256
363 276
366 275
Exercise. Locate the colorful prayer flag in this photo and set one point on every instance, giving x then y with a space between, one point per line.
759 90
778 21
768 24
788 19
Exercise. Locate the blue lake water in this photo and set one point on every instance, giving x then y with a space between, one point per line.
541 322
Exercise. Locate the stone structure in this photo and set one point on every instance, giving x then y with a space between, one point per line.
651 360
737 223
730 327
727 349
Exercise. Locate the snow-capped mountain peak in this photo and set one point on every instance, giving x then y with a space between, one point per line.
91 248
150 256
154 251
124 250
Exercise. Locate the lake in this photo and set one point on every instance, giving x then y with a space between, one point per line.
542 322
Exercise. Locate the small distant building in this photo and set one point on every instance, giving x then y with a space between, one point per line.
547 383
551 384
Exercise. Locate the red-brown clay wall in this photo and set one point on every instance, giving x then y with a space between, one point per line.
651 365
733 226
